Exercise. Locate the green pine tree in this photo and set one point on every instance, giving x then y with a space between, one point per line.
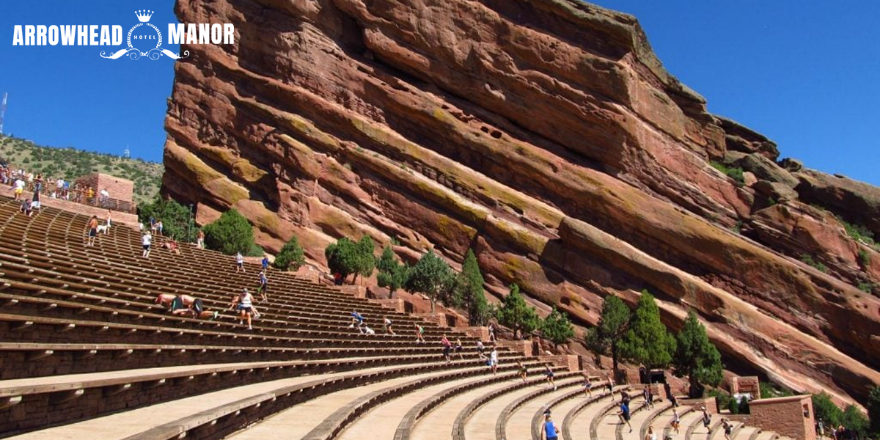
647 342
605 338
177 219
430 276
854 419
229 234
342 257
366 261
290 256
557 328
468 290
517 314
696 357
387 262
392 274
874 410
824 409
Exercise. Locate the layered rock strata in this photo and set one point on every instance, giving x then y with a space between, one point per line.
545 135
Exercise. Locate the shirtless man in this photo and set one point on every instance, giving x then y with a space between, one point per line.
185 305
92 230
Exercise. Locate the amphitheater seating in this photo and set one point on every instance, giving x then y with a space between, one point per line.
87 354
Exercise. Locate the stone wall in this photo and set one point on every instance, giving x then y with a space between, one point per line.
395 304
482 333
524 347
788 416
119 188
745 385
436 318
570 361
709 403
355 291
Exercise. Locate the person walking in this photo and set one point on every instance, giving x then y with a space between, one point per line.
549 375
492 333
19 188
26 208
420 333
146 240
447 347
244 304
239 263
610 384
357 320
481 351
588 385
264 286
707 420
728 428
523 371
493 360
550 431
200 239
676 420
265 263
650 435
624 415
92 231
458 349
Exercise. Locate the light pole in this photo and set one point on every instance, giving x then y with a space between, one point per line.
190 224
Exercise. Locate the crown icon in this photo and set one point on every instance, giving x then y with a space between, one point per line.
143 15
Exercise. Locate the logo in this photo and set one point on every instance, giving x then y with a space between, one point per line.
143 40
135 53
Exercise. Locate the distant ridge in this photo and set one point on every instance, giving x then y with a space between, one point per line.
70 163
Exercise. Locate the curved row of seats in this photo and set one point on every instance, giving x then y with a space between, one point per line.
87 354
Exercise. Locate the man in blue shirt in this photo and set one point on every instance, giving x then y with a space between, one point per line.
550 431
357 320
624 415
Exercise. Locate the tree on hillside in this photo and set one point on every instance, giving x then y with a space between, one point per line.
348 257
854 419
229 234
468 290
557 328
431 276
290 256
366 261
696 357
604 339
392 274
517 314
874 410
176 218
647 342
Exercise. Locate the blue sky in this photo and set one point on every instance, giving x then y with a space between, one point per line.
805 73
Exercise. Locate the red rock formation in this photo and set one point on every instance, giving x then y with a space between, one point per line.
543 134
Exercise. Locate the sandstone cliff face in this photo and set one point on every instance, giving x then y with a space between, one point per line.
545 135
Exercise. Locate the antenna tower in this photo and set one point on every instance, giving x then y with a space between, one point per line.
3 110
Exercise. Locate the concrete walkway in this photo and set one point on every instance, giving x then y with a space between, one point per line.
124 424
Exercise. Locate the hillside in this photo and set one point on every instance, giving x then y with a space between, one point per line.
546 136
70 163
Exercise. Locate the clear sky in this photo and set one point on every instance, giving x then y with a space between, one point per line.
804 73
